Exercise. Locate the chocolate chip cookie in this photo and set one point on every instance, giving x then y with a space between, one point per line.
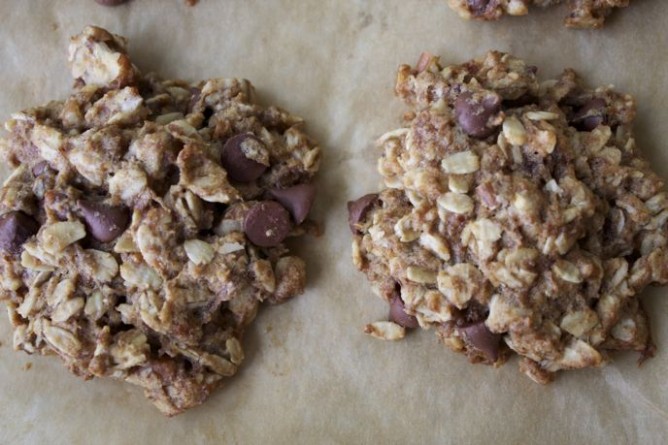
144 223
519 216
581 13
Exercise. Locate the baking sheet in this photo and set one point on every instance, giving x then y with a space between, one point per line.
311 375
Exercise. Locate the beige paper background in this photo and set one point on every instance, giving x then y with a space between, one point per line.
311 375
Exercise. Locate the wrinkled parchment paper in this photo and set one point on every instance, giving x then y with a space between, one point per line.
311 375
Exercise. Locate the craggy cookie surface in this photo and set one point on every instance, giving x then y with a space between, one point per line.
144 223
582 13
519 217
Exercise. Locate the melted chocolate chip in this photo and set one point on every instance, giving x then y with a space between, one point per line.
104 222
357 210
482 339
590 115
15 229
267 224
473 113
399 315
238 166
297 199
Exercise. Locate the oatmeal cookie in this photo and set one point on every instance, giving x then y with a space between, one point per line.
582 13
143 225
519 216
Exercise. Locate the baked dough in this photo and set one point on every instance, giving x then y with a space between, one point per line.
519 216
143 225
581 13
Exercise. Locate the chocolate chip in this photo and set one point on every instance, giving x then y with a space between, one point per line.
590 115
357 210
111 2
479 337
238 166
267 224
15 229
473 113
478 6
399 315
104 222
297 199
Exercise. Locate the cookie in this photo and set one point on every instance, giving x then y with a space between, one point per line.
144 224
581 13
519 217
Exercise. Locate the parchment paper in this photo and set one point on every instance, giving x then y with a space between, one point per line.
311 375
